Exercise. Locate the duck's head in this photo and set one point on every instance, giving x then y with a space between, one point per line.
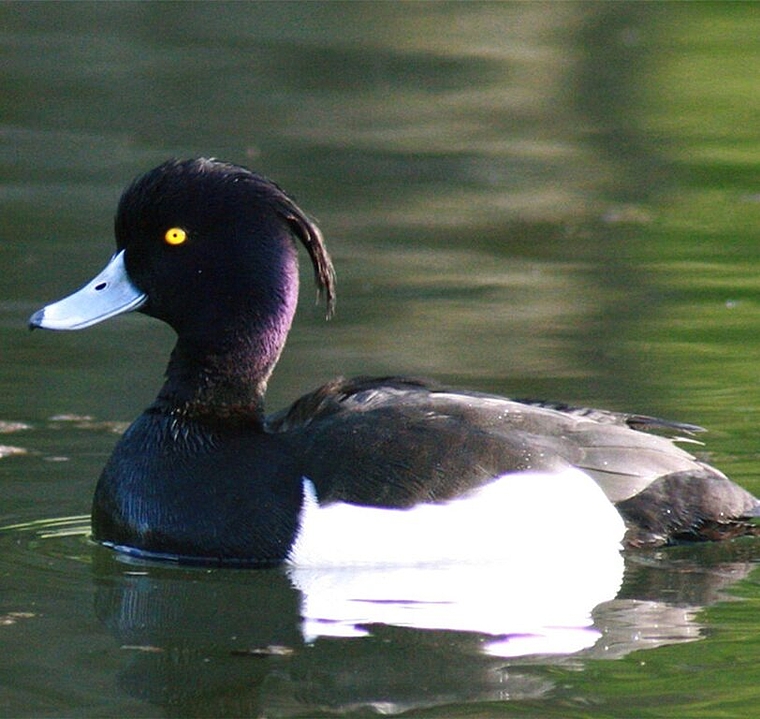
209 248
197 241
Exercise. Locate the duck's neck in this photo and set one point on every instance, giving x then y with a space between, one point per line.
224 373
218 383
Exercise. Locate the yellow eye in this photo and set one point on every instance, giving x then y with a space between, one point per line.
175 236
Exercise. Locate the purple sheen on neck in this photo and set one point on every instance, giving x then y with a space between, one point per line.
224 365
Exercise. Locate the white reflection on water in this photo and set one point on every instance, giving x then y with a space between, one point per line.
527 607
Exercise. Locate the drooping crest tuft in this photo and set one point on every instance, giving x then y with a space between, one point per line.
311 237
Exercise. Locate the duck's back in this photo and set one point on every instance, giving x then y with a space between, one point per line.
397 442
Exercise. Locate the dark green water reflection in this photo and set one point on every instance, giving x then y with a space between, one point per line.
537 199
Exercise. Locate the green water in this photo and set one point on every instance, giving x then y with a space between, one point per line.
556 200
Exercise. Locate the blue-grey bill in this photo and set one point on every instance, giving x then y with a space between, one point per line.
108 294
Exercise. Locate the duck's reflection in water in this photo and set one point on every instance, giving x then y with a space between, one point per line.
285 642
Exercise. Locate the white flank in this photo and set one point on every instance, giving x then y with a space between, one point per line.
521 515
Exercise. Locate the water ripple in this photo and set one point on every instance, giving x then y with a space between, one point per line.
46 539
